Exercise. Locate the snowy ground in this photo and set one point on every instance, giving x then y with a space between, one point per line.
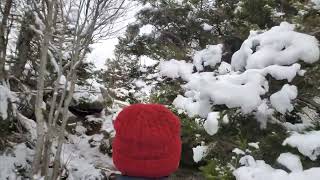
83 160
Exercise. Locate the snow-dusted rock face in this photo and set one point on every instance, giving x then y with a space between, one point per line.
86 103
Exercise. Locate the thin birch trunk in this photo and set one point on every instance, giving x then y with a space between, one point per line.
40 86
51 123
3 37
57 160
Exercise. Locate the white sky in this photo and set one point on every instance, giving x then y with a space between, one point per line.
104 49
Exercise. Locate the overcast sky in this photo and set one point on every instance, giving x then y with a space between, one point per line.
104 49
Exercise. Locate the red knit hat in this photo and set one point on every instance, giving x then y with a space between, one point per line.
147 142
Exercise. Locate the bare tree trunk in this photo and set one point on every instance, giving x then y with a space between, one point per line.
52 124
57 160
23 44
3 37
39 100
86 24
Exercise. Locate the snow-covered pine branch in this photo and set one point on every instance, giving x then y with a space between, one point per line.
244 83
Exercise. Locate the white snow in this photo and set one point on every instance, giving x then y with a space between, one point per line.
201 107
4 96
62 81
83 161
146 61
175 69
277 52
282 72
263 113
238 8
29 124
254 145
199 152
18 157
146 30
238 151
316 4
316 99
208 57
280 45
259 170
229 89
140 83
291 161
206 27
276 13
83 93
302 72
307 144
101 51
211 125
107 125
281 100
225 119
247 160
224 68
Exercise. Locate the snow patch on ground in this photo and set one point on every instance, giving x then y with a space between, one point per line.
11 161
83 161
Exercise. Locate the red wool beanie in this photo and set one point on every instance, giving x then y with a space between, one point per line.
147 142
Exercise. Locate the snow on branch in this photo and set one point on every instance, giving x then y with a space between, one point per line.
280 45
244 83
4 96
